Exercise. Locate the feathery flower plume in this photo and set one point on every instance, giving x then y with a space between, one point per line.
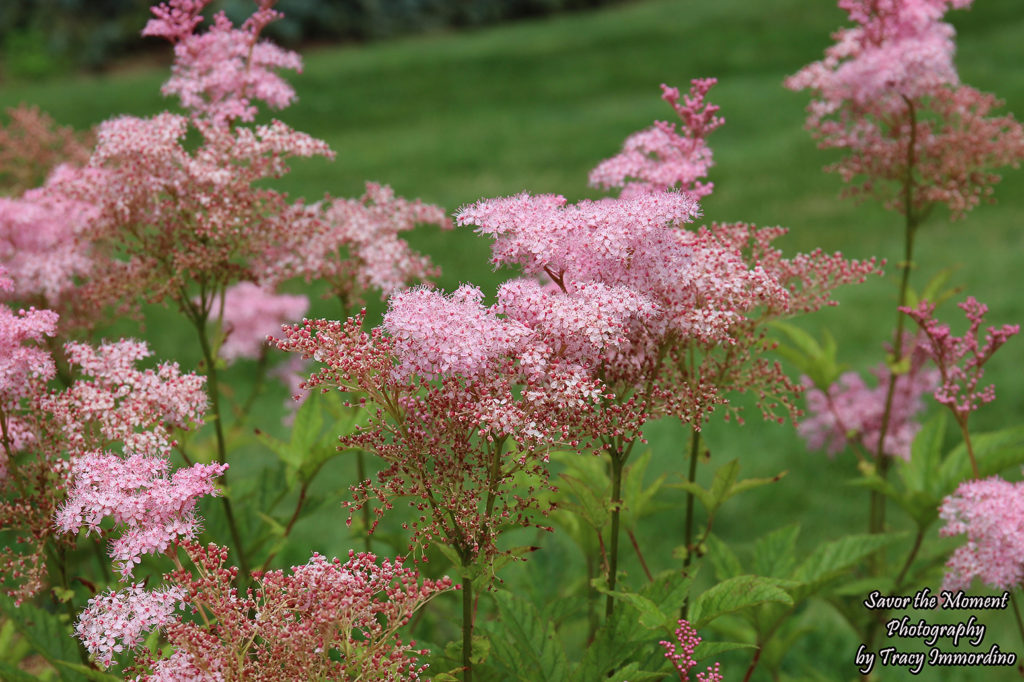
251 313
850 411
357 247
326 619
887 91
961 359
990 513
659 158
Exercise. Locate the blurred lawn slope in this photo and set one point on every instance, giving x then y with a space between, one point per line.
534 105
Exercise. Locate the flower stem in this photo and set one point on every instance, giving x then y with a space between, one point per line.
214 386
361 473
688 530
876 523
618 459
467 628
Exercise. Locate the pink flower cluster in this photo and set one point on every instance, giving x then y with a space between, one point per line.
990 513
851 411
116 403
888 93
898 49
660 158
32 145
117 621
357 246
961 359
680 652
23 366
325 620
217 74
251 313
437 336
151 506
39 243
465 448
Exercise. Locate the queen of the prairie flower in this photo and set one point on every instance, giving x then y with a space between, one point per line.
889 94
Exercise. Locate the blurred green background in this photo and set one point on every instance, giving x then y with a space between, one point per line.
453 116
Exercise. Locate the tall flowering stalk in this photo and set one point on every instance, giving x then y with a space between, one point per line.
324 620
961 360
888 93
32 145
461 416
668 321
665 319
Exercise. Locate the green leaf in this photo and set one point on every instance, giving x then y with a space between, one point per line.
633 673
925 458
722 484
723 559
89 673
668 590
637 500
309 421
736 594
775 553
526 646
614 643
651 617
994 451
697 491
712 649
831 559
817 361
45 633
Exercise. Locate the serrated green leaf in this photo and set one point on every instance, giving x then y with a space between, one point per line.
925 458
694 488
736 594
831 559
712 649
994 452
775 553
651 617
594 510
723 559
87 672
751 483
668 590
284 451
309 421
45 633
614 643
633 673
722 483
528 646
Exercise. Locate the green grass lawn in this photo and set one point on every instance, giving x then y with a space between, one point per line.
535 105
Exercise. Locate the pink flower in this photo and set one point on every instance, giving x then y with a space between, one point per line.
151 507
888 93
120 403
119 621
356 245
39 243
991 513
438 336
251 313
659 158
851 411
217 74
961 359
681 651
